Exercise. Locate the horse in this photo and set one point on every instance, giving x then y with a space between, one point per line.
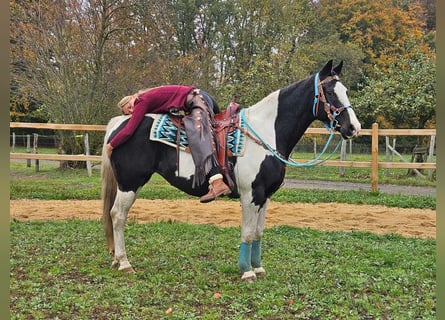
275 125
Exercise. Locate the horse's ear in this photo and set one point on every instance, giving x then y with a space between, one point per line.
338 68
326 71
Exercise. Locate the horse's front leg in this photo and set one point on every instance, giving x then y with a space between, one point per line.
119 213
253 220
256 243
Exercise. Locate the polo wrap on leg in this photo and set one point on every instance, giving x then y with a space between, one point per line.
245 256
256 253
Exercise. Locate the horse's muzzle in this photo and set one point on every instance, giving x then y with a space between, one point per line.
350 132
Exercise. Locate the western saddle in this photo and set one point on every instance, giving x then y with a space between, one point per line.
225 122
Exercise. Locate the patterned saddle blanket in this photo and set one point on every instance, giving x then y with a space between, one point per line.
165 131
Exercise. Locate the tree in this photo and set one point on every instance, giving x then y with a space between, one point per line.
380 28
72 60
67 60
403 96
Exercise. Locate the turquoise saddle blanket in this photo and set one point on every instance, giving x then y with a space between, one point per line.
165 131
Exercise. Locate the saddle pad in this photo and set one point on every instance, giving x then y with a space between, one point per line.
165 131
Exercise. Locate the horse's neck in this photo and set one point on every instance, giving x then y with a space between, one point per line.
282 123
296 113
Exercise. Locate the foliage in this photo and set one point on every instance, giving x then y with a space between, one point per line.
378 28
72 60
403 96
61 57
61 270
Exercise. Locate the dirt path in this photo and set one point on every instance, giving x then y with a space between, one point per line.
338 186
322 216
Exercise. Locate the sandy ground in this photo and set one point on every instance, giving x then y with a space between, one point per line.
419 223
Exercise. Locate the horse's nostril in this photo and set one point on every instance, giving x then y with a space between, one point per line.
353 129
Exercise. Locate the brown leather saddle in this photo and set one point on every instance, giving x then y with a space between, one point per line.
224 123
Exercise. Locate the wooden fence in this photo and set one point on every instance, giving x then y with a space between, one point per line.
374 132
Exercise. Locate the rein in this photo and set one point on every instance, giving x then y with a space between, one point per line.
311 163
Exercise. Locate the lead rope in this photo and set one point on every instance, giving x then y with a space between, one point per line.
311 163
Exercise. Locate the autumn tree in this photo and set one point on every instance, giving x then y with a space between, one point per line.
380 28
397 84
72 60
22 106
259 49
67 60
403 96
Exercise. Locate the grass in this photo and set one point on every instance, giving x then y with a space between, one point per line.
75 184
391 176
61 269
311 274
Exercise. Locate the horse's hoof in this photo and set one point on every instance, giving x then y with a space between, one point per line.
249 276
114 264
127 270
250 280
124 266
259 271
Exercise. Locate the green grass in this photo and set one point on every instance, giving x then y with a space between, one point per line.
391 176
50 183
61 270
21 149
385 176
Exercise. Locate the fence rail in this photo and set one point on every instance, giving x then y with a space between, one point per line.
58 126
54 157
374 132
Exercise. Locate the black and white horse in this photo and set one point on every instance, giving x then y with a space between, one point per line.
274 126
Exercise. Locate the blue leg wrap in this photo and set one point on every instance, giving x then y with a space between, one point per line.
245 255
256 253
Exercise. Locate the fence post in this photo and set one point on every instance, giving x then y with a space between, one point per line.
13 142
315 147
28 150
430 155
375 156
87 152
350 148
35 143
342 157
387 154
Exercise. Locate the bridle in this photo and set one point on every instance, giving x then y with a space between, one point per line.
331 110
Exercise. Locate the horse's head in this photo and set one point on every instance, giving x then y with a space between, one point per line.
331 103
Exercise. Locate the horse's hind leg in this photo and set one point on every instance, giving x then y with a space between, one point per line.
119 212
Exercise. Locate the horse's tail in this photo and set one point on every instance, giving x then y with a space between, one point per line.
108 194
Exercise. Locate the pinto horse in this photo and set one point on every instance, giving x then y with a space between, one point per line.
278 121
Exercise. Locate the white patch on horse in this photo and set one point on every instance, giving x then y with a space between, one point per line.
261 117
114 123
341 92
186 165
